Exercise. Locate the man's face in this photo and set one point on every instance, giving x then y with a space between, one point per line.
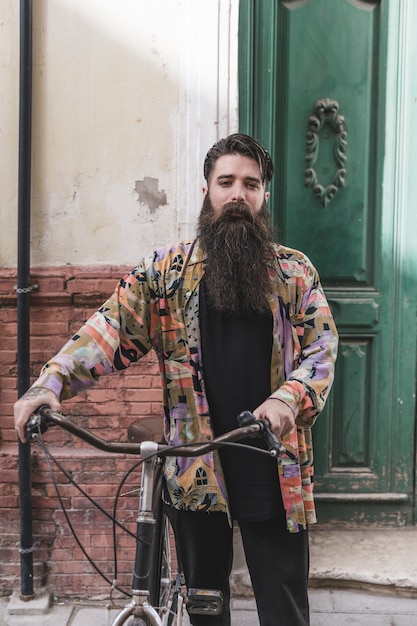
236 178
235 233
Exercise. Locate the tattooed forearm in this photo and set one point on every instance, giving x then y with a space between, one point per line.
35 393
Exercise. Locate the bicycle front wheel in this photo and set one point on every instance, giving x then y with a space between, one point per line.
164 592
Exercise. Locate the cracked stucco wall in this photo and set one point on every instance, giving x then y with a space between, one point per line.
125 104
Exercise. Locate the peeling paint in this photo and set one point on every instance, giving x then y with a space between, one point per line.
149 194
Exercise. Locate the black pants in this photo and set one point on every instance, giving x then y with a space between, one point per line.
278 563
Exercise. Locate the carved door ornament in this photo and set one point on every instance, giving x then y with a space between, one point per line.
326 118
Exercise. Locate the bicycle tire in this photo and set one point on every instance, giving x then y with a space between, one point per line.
162 593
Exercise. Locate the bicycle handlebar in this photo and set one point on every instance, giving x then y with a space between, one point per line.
249 427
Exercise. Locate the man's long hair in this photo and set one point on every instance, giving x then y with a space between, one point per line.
239 245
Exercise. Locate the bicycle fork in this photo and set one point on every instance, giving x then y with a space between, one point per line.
145 532
138 607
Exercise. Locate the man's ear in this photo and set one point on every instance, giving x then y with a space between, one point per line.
204 190
267 194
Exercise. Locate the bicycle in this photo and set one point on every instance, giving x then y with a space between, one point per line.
157 597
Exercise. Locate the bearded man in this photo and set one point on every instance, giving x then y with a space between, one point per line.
238 322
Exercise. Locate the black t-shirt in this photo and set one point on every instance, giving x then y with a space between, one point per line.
236 352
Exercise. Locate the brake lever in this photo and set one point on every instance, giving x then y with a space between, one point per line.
275 447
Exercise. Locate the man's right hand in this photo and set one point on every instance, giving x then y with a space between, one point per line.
28 403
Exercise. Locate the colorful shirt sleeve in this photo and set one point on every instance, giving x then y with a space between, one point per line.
114 337
315 342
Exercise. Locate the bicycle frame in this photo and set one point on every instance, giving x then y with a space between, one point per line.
143 587
139 605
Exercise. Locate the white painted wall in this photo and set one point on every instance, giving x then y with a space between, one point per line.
127 98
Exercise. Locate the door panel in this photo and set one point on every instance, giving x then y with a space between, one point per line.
326 49
312 89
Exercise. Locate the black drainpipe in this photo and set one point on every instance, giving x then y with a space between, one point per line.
23 289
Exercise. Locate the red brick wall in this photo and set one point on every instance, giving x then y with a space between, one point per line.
66 297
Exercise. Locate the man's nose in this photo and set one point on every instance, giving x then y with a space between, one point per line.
238 193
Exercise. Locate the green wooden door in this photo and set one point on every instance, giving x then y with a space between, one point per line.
312 88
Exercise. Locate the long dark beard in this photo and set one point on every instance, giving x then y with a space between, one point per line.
237 276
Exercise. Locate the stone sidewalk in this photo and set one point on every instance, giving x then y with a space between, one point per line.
358 578
329 607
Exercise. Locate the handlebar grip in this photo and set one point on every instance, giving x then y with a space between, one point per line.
245 418
273 443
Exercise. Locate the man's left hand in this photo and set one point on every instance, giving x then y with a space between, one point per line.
279 415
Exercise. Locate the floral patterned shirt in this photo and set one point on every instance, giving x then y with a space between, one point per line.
156 306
